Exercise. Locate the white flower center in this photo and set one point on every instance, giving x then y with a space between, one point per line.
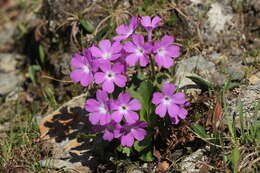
166 100
102 109
110 75
106 55
123 109
86 69
161 52
139 52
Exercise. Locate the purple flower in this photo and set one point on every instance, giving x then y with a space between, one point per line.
126 31
111 131
124 107
138 51
165 51
110 75
132 131
169 102
106 51
100 109
150 24
82 69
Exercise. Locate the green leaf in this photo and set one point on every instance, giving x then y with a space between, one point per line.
200 131
235 158
146 90
203 84
41 54
147 156
87 25
141 145
33 69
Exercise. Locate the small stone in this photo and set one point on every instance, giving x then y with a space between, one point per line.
217 18
9 81
235 71
189 163
248 97
163 166
255 78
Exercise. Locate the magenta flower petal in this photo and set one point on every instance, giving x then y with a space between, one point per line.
108 86
120 80
131 59
108 135
161 110
146 21
116 47
118 68
157 98
104 45
134 105
99 77
105 119
86 80
138 40
101 96
122 29
173 110
124 98
139 133
167 40
129 47
117 116
131 117
168 89
156 20
183 113
178 98
95 51
91 105
174 51
144 61
76 75
76 61
94 118
127 140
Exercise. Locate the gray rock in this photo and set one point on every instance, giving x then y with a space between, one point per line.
197 66
65 165
248 98
8 82
189 163
9 74
235 71
7 31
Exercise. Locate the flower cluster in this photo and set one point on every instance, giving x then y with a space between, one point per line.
106 64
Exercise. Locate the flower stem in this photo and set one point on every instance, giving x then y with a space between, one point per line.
152 67
150 36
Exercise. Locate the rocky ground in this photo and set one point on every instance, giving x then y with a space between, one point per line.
42 123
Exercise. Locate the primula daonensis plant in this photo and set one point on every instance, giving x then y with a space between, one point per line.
127 69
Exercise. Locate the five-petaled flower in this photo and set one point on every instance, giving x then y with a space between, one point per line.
111 131
165 51
138 51
126 31
83 68
99 109
169 102
125 107
131 131
106 52
110 75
